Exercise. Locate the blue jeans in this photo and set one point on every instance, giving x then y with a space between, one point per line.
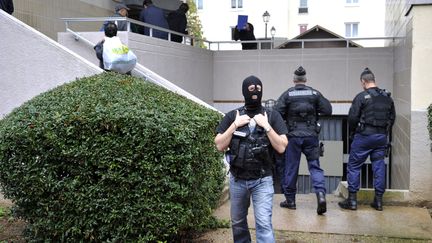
362 147
310 147
262 192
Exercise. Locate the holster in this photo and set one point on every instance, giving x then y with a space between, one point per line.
321 149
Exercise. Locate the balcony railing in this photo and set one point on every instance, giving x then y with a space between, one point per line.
222 45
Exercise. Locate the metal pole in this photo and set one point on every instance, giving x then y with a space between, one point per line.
266 30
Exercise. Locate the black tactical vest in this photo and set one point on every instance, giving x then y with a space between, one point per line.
250 152
302 113
377 111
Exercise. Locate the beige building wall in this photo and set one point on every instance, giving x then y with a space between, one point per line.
399 25
189 67
32 63
333 14
421 87
412 157
45 15
333 71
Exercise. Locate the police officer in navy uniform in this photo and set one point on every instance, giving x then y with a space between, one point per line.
251 133
372 114
301 106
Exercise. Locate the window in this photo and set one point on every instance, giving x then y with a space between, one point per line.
303 28
352 1
199 4
236 3
351 29
303 6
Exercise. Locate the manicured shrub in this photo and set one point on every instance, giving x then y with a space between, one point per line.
110 158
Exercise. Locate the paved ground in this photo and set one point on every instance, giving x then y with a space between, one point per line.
394 224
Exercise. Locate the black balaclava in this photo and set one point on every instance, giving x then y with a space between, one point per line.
253 106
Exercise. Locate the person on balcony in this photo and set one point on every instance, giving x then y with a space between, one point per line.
121 10
245 33
177 21
154 16
7 6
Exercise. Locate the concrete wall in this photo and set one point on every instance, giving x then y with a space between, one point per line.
44 15
412 157
333 71
32 63
82 48
399 25
421 86
188 67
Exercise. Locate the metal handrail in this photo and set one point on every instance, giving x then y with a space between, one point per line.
348 40
67 21
152 76
217 43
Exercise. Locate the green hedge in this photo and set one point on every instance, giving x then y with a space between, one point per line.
110 158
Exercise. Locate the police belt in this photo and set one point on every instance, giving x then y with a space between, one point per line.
301 125
369 130
245 174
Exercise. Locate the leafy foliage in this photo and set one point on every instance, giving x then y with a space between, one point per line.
194 23
110 158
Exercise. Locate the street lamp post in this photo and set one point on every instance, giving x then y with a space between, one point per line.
266 19
273 32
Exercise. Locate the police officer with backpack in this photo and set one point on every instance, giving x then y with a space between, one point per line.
251 133
301 106
372 115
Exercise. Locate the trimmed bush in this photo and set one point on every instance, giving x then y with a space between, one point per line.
110 158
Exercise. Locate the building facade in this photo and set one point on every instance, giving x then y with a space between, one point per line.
403 68
348 18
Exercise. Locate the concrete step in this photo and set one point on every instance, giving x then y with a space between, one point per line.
394 221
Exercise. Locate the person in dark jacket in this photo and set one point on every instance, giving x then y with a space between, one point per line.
372 115
301 106
245 34
7 6
154 16
177 21
121 10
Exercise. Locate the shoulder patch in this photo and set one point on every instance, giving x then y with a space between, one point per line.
300 93
368 96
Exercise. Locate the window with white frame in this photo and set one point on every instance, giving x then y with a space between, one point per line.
199 4
236 3
351 29
303 6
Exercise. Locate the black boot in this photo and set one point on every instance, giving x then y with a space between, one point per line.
288 203
377 203
322 204
350 202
